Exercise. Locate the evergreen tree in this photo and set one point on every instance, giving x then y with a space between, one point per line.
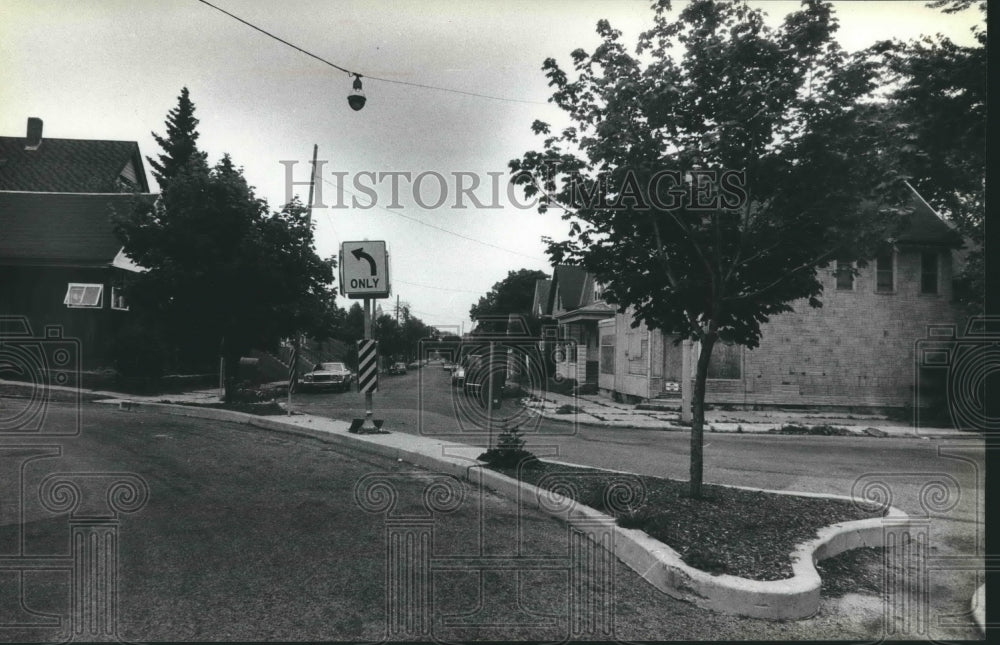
180 145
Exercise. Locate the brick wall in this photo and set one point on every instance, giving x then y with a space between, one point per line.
855 350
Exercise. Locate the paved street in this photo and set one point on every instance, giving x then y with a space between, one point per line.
250 535
423 400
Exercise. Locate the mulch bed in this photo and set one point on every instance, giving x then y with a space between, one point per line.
744 533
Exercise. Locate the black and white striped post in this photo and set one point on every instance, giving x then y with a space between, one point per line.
368 368
364 274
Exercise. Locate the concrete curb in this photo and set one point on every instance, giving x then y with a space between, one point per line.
979 608
793 598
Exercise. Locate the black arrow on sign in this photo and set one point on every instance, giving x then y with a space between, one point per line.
360 253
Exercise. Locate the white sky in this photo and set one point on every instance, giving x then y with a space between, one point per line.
111 69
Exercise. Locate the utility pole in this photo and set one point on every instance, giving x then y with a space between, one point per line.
293 367
397 309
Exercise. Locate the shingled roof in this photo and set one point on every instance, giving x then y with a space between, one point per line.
59 229
68 165
924 226
568 283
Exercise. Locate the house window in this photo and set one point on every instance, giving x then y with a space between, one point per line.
885 280
569 351
929 272
598 292
84 296
118 299
608 354
845 277
726 361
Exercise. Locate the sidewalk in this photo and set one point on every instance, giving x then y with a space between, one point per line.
595 410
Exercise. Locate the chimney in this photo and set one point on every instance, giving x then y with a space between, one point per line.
34 133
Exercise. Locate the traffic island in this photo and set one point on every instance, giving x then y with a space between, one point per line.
792 598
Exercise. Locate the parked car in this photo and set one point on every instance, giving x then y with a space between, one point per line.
476 375
458 376
397 368
448 366
328 376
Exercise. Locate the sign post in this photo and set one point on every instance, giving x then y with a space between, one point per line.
364 274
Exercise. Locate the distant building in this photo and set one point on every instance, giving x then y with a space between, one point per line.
856 350
575 304
60 261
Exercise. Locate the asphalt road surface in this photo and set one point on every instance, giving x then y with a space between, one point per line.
251 535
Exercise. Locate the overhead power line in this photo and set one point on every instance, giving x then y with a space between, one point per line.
434 226
430 286
374 78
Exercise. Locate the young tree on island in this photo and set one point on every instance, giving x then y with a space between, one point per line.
706 179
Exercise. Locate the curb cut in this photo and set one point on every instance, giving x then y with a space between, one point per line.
792 598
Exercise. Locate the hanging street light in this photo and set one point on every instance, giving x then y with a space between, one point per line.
357 96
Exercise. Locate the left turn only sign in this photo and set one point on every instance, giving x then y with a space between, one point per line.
364 269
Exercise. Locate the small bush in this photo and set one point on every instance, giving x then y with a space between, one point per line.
566 408
509 451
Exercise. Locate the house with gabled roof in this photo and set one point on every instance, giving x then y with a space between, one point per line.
576 306
60 261
857 350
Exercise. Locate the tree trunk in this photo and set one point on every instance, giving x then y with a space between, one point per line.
698 410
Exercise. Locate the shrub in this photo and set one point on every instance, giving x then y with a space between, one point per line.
509 451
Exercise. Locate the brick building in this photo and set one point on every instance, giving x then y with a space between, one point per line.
856 350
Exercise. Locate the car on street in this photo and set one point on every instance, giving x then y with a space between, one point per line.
448 366
328 376
476 374
397 368
458 376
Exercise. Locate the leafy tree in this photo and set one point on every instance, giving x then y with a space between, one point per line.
936 116
512 295
180 143
225 275
707 181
